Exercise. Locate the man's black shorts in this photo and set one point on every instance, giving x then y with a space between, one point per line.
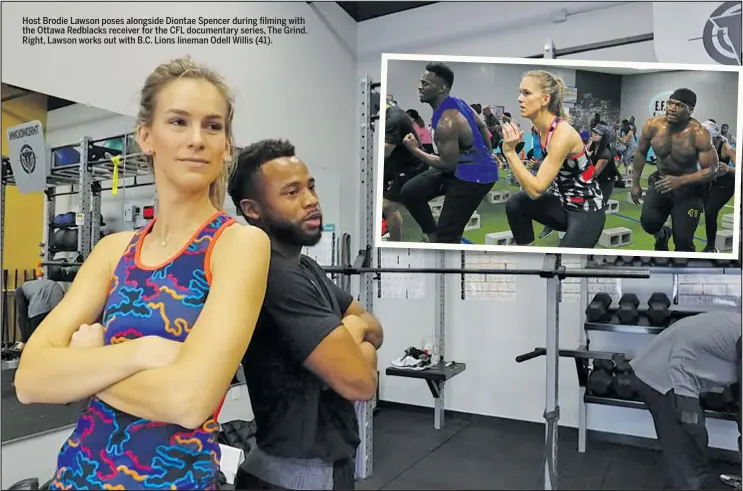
395 181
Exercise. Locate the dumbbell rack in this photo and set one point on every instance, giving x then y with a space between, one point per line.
86 175
694 266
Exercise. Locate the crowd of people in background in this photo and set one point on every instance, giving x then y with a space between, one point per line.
611 147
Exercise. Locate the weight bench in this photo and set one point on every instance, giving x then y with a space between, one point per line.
435 377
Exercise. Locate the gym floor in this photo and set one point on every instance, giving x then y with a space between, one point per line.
475 452
493 219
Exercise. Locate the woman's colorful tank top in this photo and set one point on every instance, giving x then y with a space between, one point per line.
110 449
576 183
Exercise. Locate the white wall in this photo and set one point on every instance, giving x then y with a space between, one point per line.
286 91
282 90
481 83
717 94
69 124
489 334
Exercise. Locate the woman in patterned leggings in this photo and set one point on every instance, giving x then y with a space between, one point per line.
177 302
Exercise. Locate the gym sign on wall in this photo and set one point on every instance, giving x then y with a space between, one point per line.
27 153
700 32
657 105
722 33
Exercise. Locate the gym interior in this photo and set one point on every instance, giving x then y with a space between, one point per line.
465 422
615 93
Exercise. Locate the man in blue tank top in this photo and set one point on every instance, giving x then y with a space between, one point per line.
463 169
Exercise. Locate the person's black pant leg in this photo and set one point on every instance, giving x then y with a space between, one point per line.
521 211
688 205
460 202
34 323
344 475
607 187
682 435
656 208
584 229
21 309
417 192
246 481
718 194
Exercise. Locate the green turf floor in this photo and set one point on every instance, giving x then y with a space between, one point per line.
493 219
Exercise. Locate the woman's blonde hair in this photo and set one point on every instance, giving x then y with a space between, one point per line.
188 68
553 86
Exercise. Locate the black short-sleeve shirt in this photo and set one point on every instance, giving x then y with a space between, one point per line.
297 415
397 126
609 173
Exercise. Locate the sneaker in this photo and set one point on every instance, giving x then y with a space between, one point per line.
414 359
546 232
662 238
732 481
710 248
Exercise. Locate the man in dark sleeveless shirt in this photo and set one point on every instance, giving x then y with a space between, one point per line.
687 162
314 351
400 165
464 169
722 188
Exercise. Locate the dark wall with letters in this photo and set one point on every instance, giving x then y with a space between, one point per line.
597 93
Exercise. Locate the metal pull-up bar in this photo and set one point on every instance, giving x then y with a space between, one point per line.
559 272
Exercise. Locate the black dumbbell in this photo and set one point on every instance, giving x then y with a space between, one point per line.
606 365
722 263
681 261
622 382
628 260
628 309
658 312
646 260
31 483
661 261
598 309
598 260
599 382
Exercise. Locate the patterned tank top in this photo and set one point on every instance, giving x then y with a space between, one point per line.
576 183
110 449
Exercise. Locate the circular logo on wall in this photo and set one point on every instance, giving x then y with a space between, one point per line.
657 105
28 159
721 35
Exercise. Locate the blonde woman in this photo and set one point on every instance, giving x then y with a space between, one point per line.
576 207
178 301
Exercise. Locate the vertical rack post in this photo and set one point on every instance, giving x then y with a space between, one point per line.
552 408
552 263
51 209
584 344
95 221
365 410
439 337
84 219
2 224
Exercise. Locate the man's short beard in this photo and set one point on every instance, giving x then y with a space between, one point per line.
289 233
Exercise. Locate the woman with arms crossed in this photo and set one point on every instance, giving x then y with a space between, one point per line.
178 299
577 208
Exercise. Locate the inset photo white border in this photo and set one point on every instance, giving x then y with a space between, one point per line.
575 64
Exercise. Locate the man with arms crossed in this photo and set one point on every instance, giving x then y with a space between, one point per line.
314 351
694 355
687 162
400 165
464 169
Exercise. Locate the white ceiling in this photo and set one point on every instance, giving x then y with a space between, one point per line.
618 70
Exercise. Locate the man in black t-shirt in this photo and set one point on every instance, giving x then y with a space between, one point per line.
314 349
400 165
